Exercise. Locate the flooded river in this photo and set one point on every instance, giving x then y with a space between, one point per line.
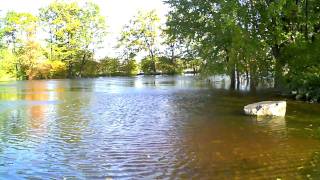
150 128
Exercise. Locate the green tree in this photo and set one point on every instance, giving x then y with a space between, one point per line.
19 33
141 35
93 31
168 66
7 65
74 33
146 65
245 37
109 66
129 67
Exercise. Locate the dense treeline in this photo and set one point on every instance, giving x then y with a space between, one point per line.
71 33
60 42
257 40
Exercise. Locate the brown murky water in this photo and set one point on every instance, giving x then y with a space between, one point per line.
150 128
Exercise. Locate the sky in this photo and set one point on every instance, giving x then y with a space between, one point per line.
117 13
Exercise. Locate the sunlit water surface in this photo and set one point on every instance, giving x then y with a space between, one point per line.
150 127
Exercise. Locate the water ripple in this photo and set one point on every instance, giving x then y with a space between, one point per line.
143 128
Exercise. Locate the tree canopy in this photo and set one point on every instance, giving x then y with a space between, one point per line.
260 39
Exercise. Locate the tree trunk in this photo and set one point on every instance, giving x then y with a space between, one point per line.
247 77
307 19
83 62
172 53
17 70
51 42
253 82
253 76
278 79
153 64
238 79
233 78
69 70
232 72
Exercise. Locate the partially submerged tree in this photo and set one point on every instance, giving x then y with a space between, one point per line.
246 37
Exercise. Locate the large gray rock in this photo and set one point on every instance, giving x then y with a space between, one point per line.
267 108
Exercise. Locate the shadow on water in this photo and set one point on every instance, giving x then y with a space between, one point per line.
225 143
151 127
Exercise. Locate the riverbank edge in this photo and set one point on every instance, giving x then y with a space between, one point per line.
296 95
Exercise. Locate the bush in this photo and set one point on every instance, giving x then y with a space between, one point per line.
168 66
129 67
109 66
7 65
90 69
146 65
58 69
